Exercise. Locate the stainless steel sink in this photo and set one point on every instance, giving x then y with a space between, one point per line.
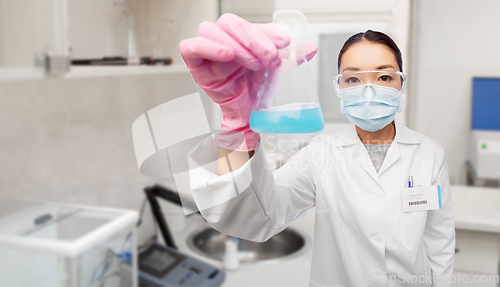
210 243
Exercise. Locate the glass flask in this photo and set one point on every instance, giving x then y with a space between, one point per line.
287 102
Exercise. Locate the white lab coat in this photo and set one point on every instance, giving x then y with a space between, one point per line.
362 237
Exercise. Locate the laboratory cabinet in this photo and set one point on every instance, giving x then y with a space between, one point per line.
477 257
477 229
477 252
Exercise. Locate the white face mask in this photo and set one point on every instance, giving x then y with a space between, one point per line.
371 107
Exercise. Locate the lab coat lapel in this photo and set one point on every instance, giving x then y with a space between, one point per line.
354 148
392 156
364 160
403 136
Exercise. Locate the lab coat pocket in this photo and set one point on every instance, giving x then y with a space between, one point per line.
411 228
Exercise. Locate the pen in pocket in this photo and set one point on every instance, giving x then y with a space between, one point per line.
410 181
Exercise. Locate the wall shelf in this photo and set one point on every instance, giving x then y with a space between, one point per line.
90 72
103 71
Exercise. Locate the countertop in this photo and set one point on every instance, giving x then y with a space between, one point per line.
476 209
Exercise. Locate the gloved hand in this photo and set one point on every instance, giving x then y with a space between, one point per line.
228 60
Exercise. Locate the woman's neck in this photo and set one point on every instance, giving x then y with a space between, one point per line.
383 136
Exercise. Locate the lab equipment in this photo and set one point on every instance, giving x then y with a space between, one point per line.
165 266
485 135
152 194
231 260
161 266
370 99
485 103
287 101
485 155
46 244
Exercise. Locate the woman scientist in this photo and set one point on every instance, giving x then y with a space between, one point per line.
373 226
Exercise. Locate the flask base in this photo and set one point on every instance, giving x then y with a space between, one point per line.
288 119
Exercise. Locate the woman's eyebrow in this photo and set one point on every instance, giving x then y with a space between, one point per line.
350 69
382 67
385 67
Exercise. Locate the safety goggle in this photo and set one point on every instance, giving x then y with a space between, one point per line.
391 79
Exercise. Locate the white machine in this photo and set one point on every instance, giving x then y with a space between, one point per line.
485 154
65 245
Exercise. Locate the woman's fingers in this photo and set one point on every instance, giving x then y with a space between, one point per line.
242 55
249 36
311 51
195 50
276 34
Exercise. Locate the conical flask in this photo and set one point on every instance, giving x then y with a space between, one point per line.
287 102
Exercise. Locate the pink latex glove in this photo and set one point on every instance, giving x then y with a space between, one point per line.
228 60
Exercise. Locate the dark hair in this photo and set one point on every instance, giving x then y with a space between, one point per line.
373 36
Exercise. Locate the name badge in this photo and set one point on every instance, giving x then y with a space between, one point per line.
421 198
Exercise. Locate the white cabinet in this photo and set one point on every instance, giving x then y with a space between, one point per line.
477 259
477 224
477 252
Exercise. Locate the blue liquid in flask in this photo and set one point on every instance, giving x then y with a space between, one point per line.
288 119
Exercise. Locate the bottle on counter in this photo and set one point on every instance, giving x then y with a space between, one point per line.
231 260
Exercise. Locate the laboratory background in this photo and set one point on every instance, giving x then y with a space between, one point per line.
75 75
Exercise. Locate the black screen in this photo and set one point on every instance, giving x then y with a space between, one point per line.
158 261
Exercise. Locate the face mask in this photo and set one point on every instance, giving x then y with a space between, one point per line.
371 107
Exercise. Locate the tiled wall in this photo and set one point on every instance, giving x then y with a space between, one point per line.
70 140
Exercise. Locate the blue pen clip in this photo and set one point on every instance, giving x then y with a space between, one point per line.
410 181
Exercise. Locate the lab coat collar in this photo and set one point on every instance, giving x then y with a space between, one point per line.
349 136
405 135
